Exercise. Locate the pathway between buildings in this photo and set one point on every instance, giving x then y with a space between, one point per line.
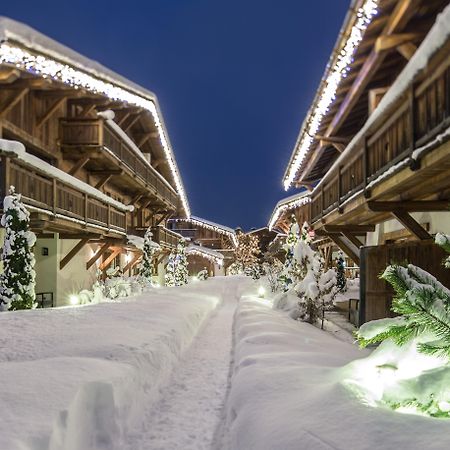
190 411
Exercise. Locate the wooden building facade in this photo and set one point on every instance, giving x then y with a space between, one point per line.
91 159
377 167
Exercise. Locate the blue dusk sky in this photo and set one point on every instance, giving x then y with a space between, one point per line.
234 80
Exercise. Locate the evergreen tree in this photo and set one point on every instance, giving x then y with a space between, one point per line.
181 264
340 273
423 304
169 277
148 253
288 275
17 282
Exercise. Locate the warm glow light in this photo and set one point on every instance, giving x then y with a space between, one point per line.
48 68
74 299
261 292
127 258
327 95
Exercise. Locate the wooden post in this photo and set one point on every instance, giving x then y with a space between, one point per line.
54 195
339 187
97 255
85 208
72 253
365 164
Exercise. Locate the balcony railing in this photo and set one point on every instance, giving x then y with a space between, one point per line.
94 133
424 113
41 190
165 237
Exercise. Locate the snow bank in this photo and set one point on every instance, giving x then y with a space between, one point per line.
79 377
287 392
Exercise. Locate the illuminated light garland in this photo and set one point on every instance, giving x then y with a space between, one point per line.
287 204
206 253
209 226
327 96
48 68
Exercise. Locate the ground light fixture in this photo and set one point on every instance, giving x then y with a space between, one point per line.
261 292
74 299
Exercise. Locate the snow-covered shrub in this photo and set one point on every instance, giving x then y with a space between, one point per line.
203 274
235 269
340 273
116 287
272 268
412 363
288 274
177 266
17 282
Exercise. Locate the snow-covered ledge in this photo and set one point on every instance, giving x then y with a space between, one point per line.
205 252
108 116
17 150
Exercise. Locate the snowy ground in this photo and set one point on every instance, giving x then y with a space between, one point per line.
205 366
83 378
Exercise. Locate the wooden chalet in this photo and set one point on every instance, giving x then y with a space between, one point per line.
94 165
204 234
374 149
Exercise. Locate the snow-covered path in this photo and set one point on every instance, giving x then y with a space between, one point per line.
190 411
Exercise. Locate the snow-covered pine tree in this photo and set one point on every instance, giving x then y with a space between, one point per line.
181 264
340 273
203 274
272 268
289 272
17 282
423 304
148 253
317 288
169 277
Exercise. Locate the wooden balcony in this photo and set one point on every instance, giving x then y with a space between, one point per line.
414 121
165 237
52 196
93 133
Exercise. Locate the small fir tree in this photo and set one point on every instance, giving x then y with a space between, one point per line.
340 273
203 274
169 277
181 264
148 253
289 273
17 282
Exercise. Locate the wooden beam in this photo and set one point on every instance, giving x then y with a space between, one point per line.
339 147
388 42
103 181
308 186
9 75
107 172
53 108
132 122
354 255
407 50
105 264
158 162
97 255
411 206
86 110
332 139
76 249
411 224
79 165
354 229
121 121
89 236
132 262
145 137
13 101
353 239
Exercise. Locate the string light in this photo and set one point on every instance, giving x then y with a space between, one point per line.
207 254
48 68
288 204
209 226
338 71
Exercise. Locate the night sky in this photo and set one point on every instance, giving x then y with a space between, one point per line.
234 80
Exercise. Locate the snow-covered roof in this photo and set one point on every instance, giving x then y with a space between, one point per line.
222 229
138 242
352 32
18 149
435 39
49 58
205 252
287 204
